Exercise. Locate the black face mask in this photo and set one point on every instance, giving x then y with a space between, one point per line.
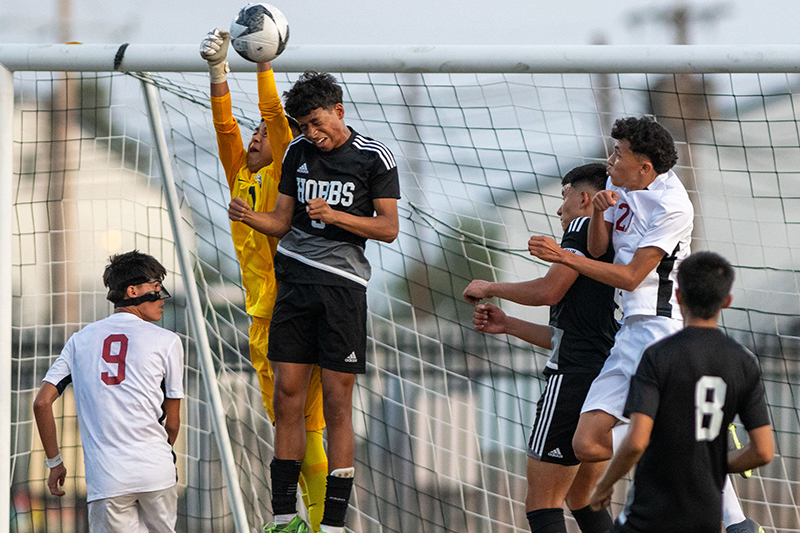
152 296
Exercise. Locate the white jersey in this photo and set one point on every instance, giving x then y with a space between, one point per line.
662 216
122 368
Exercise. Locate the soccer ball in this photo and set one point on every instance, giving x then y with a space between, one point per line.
259 32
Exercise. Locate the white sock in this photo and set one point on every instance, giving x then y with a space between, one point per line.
618 433
281 519
331 529
731 508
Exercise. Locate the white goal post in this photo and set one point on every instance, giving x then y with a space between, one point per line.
482 135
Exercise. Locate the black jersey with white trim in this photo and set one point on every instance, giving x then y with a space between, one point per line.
691 384
349 178
585 315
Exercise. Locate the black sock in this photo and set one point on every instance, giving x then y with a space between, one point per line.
547 521
337 498
284 474
593 521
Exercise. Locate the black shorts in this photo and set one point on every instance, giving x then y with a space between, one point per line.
320 324
557 414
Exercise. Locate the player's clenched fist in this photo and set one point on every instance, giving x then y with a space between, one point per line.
601 498
55 481
489 318
318 209
214 46
238 210
214 49
477 290
545 249
604 199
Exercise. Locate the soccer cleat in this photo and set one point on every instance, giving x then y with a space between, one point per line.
732 429
747 526
297 525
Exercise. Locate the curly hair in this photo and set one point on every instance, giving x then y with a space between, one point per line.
131 268
594 175
647 138
312 90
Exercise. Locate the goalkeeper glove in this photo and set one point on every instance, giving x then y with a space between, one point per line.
214 49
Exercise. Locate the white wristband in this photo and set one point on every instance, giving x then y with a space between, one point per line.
54 462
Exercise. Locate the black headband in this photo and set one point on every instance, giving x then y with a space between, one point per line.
152 296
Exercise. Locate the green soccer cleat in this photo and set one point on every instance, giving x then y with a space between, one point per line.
732 429
747 526
297 525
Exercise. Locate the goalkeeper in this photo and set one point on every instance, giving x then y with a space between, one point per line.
253 176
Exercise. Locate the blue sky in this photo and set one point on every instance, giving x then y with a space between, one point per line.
409 21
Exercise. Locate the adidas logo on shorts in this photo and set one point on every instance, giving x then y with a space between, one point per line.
351 358
555 453
303 169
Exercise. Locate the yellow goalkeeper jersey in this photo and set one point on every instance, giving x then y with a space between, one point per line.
259 189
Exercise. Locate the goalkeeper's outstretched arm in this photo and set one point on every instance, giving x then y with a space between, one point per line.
214 49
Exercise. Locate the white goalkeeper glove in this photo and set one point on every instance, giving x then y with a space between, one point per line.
214 49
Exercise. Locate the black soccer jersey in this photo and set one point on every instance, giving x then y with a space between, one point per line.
692 384
585 315
349 178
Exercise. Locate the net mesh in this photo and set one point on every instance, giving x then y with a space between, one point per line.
443 414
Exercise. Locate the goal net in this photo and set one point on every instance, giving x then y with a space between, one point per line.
443 414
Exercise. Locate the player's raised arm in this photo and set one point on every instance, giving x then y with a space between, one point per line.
599 228
279 134
214 49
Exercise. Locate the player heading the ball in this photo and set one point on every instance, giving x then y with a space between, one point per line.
338 189
253 174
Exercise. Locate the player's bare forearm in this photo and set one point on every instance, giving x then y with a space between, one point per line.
383 227
599 235
536 334
220 89
758 452
626 277
547 290
275 223
489 318
45 421
172 421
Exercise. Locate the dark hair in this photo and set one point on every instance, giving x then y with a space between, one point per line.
132 268
294 126
647 138
312 90
594 175
705 280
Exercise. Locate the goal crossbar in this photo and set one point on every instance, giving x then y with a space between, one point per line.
417 59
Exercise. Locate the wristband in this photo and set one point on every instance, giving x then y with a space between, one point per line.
54 462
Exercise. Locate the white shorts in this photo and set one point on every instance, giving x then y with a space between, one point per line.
156 512
609 391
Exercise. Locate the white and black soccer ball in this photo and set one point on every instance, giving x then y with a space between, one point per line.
259 32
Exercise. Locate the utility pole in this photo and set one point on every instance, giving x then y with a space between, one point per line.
680 101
